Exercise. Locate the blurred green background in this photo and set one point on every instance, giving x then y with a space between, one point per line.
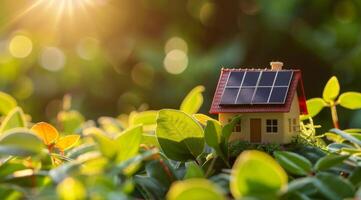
115 56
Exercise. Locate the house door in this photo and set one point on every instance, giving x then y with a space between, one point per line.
256 130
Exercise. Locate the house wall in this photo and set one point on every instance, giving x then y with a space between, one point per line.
293 129
284 135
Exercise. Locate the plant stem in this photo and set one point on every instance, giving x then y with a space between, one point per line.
166 169
50 148
334 116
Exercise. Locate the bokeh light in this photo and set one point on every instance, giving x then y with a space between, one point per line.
176 61
87 48
207 12
52 59
20 46
176 43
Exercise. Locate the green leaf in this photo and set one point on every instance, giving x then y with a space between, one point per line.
299 184
293 163
214 138
193 101
128 143
106 145
71 121
148 117
179 135
329 161
7 103
228 128
255 173
331 90
336 147
14 119
70 189
201 118
334 137
150 140
193 171
20 142
213 133
333 187
352 130
200 189
157 170
226 133
355 177
314 106
346 136
350 100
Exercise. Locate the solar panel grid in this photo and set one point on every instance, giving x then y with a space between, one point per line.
256 87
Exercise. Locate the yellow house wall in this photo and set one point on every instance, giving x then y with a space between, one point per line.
284 134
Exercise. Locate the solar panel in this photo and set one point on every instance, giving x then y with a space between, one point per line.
267 79
262 95
235 79
251 79
245 96
283 78
256 87
278 95
229 96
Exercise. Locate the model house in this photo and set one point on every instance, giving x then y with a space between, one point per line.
269 102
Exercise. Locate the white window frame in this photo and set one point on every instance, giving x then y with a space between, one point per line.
272 126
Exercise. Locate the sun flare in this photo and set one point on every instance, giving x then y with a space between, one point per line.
56 11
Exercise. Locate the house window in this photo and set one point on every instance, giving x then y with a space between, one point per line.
296 127
271 125
237 126
290 125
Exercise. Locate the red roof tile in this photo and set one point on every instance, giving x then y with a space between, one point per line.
296 85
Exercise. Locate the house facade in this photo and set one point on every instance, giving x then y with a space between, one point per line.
269 102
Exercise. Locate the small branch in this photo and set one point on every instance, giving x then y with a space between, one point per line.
50 148
334 116
166 169
209 170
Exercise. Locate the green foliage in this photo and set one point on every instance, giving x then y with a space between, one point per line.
179 135
293 163
193 171
257 174
200 189
333 187
122 147
350 100
14 119
7 103
145 118
128 143
71 121
331 90
215 139
170 154
71 189
329 161
193 101
314 106
237 147
20 142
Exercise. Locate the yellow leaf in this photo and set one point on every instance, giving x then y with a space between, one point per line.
201 118
46 132
66 142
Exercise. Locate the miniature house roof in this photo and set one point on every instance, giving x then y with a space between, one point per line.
258 91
